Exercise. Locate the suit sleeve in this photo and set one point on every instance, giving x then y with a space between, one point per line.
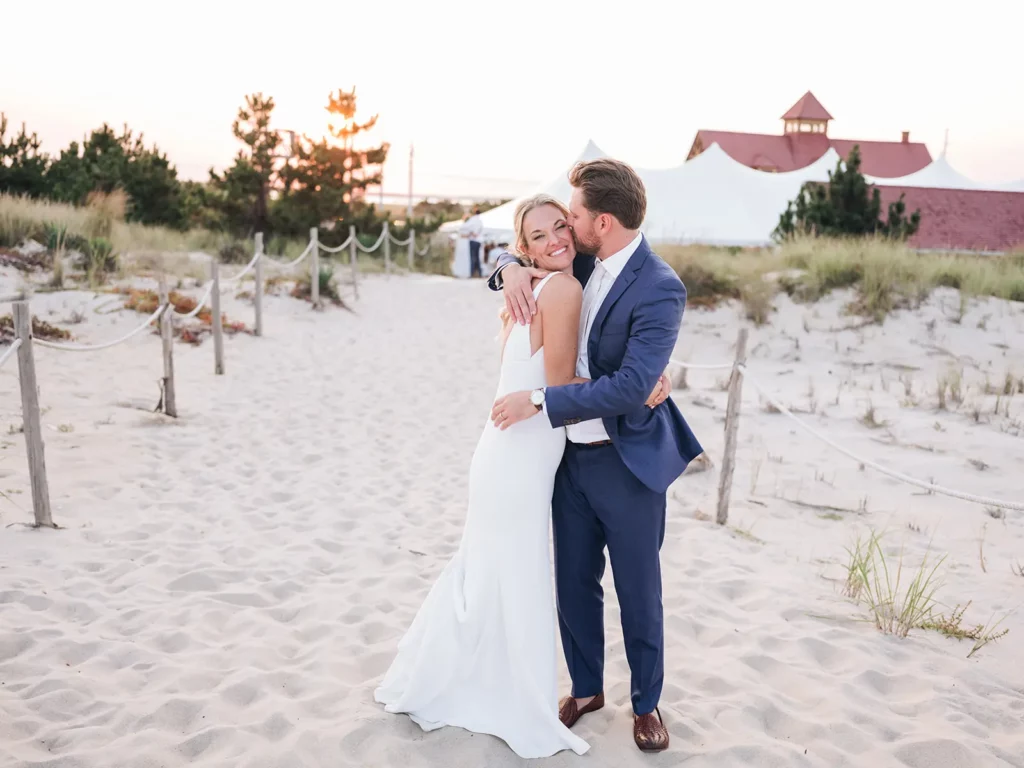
494 282
653 333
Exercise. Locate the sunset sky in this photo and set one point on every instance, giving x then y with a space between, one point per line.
498 96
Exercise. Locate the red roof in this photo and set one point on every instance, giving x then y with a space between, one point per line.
808 108
886 159
962 219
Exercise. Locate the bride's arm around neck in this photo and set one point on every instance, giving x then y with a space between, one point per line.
559 309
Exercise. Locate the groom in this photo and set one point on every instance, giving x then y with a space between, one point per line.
620 456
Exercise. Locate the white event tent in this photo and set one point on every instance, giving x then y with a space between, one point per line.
938 174
715 200
498 225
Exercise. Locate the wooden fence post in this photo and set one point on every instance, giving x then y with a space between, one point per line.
257 295
30 416
412 248
314 269
732 421
387 249
355 259
167 341
218 325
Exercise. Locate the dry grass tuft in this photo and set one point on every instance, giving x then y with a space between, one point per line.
869 419
146 301
40 329
757 296
952 626
895 606
103 211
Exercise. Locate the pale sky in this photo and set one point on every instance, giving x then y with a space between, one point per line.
500 95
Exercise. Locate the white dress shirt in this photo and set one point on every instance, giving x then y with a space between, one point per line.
598 286
475 228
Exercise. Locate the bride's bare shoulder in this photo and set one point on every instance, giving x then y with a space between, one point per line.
562 291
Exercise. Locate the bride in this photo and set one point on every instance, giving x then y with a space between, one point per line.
480 653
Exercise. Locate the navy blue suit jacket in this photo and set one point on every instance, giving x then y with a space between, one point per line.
629 346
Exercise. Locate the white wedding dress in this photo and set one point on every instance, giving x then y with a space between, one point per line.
480 653
460 259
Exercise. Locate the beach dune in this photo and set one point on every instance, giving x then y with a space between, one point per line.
227 588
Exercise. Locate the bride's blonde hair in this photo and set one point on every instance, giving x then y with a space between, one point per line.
520 248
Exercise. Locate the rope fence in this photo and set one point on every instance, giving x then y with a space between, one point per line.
376 245
108 344
290 264
166 315
337 248
10 351
740 372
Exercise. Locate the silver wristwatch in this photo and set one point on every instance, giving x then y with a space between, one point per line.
537 398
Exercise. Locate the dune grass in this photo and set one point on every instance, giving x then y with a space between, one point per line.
884 275
897 597
58 225
900 598
22 217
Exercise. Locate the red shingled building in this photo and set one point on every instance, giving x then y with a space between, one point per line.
963 219
805 139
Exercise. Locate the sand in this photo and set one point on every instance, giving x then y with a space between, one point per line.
228 588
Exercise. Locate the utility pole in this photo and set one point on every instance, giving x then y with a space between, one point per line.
408 209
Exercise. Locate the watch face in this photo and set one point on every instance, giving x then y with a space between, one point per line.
537 397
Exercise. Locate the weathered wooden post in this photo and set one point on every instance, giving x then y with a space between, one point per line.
257 296
218 325
355 259
387 249
30 416
314 268
167 341
412 248
732 419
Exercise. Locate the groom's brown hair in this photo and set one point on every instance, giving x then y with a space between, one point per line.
610 186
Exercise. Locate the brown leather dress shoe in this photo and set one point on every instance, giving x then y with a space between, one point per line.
649 732
569 711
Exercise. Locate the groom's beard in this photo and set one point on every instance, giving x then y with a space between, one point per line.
585 246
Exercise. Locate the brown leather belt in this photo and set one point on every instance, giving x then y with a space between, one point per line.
597 444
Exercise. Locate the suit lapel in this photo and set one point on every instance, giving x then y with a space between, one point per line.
622 282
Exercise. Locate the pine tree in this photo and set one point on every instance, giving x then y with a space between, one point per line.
845 206
245 186
106 161
360 165
325 180
22 165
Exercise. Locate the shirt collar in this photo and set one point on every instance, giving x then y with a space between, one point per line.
617 261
